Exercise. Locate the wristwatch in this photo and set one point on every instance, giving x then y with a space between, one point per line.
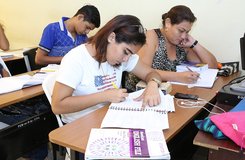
157 81
194 44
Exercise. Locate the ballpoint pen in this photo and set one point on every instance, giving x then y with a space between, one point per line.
192 71
189 69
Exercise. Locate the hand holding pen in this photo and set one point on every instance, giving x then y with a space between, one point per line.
114 85
194 75
116 94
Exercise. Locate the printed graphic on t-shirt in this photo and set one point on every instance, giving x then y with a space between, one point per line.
103 82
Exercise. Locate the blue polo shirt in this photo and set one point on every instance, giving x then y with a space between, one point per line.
57 40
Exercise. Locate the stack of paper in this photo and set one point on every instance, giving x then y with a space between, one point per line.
10 54
9 84
6 55
126 144
50 68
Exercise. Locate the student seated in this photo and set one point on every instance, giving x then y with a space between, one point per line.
171 45
90 74
60 37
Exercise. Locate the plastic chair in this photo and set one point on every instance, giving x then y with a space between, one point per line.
4 65
48 85
29 57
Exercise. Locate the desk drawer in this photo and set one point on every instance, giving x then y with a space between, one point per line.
27 126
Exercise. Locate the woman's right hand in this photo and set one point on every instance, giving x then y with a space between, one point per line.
116 95
188 77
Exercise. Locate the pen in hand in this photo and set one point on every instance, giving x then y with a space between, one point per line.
189 69
192 71
114 85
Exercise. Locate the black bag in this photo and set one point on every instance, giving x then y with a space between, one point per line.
26 125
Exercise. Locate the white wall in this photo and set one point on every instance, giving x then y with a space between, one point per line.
219 25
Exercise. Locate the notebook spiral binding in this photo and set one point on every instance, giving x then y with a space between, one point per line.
139 109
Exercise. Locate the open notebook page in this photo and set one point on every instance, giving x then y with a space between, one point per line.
130 114
206 80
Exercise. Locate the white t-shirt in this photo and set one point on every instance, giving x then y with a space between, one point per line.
79 70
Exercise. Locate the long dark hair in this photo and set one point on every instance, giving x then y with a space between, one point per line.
127 28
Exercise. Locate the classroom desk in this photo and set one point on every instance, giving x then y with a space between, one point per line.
12 58
20 95
16 55
15 64
75 135
219 149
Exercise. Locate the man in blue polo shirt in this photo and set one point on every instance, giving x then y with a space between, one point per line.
60 37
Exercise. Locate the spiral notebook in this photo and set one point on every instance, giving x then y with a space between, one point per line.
130 114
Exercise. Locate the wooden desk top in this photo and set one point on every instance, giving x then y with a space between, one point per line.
20 95
17 54
75 135
12 58
208 141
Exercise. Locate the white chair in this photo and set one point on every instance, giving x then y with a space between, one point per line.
48 85
4 65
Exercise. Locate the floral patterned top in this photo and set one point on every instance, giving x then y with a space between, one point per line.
160 61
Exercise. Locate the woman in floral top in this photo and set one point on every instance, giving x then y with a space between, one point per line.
171 45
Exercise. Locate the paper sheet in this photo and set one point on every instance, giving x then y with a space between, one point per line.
206 80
